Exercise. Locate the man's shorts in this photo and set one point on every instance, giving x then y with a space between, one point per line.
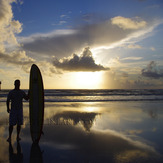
16 117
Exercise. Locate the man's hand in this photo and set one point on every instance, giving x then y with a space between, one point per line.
8 106
26 97
8 110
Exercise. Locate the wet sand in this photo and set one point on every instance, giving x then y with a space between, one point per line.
89 132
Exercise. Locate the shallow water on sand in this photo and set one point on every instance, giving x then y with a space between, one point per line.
89 132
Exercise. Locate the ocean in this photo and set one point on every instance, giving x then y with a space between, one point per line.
115 125
97 95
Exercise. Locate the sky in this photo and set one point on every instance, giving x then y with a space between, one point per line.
82 44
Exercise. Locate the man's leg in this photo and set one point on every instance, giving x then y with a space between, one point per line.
10 133
18 132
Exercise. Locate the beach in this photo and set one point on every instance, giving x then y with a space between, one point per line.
89 131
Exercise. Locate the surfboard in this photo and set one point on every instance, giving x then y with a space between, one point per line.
36 103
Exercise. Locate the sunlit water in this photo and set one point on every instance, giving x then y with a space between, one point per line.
105 131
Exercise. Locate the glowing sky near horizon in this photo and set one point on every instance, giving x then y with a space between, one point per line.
82 44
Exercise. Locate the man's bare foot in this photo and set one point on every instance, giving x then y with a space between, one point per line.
9 140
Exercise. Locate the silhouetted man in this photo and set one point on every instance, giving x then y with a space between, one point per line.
16 97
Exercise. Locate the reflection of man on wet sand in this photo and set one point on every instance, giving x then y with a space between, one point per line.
15 157
16 97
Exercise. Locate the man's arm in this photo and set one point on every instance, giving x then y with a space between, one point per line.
8 105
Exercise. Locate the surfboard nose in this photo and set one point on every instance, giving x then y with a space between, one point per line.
35 73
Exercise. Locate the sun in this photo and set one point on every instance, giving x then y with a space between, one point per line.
88 80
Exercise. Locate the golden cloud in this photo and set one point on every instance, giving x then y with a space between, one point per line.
8 26
128 23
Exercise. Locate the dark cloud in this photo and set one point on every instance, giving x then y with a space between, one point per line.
85 62
152 71
17 58
126 81
63 43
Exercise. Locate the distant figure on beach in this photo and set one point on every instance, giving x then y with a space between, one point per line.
16 97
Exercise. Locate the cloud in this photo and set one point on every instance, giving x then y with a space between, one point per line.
114 61
132 46
152 48
141 84
10 52
62 16
122 79
8 26
132 58
58 43
17 58
152 71
128 23
60 23
125 75
85 62
101 34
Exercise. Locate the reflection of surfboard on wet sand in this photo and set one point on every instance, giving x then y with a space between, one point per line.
36 154
36 103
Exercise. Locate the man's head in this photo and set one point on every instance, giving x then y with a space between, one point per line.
17 84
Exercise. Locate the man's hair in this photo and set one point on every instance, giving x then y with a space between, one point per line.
17 82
